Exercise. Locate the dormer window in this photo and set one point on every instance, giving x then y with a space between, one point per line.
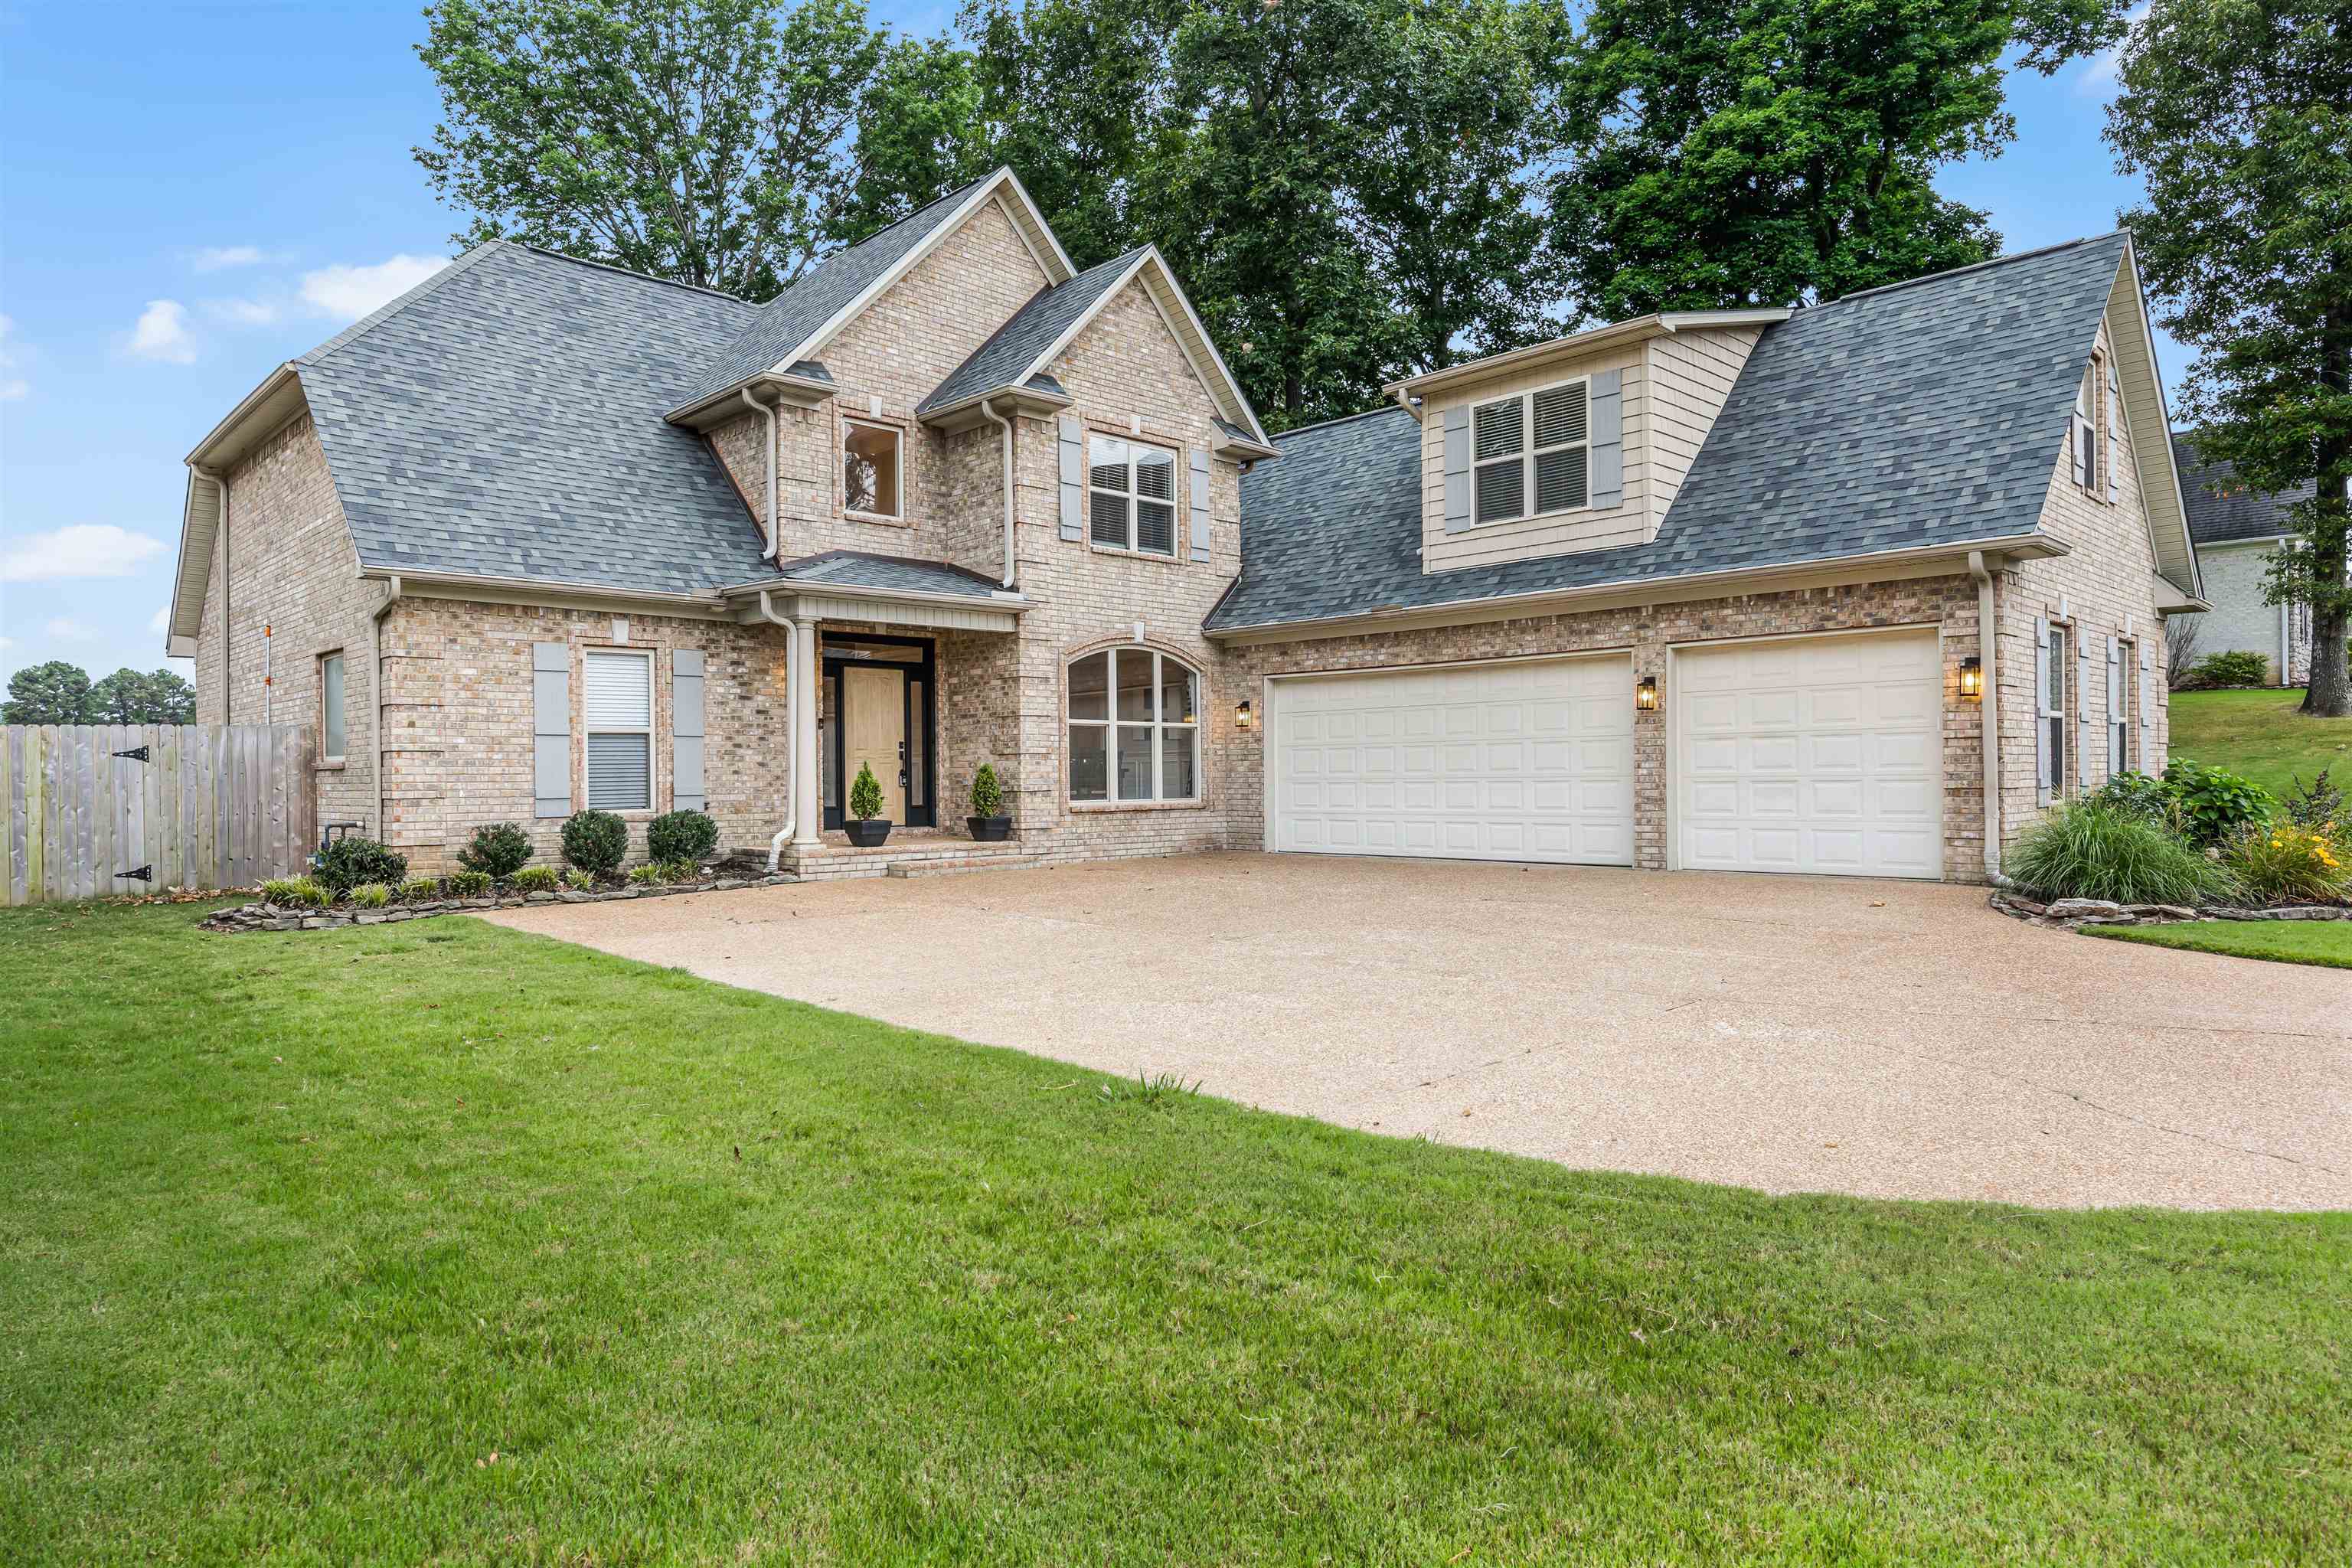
871 468
2084 433
1532 447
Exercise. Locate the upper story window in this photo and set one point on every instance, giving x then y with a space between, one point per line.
1132 495
2090 467
1534 447
1135 717
330 707
872 466
620 713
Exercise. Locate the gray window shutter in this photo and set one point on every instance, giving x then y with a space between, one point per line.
550 707
1457 470
2082 706
1074 475
1200 504
1608 423
2117 757
2115 433
2147 705
2045 772
685 782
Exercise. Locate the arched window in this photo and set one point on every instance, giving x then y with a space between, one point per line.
1135 716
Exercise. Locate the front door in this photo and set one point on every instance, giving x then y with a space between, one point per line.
873 732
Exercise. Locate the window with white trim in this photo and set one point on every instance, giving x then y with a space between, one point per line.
332 721
1131 495
1135 727
618 701
1532 453
2083 429
872 464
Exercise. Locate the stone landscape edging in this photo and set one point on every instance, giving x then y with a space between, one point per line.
2073 914
286 917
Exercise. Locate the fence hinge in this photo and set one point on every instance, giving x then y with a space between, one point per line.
137 754
144 873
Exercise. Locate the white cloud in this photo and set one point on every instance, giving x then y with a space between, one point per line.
12 386
347 293
2105 73
65 630
6 643
163 334
159 620
244 312
212 259
82 550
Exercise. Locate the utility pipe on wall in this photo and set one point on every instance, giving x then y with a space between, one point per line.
988 407
375 697
768 523
1989 712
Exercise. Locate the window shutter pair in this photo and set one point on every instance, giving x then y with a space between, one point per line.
2147 705
686 780
550 704
2118 729
1074 476
2082 707
1200 504
2045 765
2115 433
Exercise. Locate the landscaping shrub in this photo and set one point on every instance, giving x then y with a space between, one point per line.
580 881
2137 795
679 870
682 836
2234 669
2282 863
595 841
649 875
535 879
501 848
864 795
468 884
2084 850
370 895
2319 807
347 862
295 893
987 794
2211 805
419 889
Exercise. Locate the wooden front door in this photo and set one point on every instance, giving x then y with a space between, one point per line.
873 732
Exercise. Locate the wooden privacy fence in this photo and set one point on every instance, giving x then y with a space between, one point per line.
195 806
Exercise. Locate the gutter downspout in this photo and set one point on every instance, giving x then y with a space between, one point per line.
988 407
768 523
228 641
1989 710
799 721
375 693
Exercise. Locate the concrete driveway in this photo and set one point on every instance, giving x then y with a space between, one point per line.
1795 1034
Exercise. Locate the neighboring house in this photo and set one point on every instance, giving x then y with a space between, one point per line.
2237 530
1697 590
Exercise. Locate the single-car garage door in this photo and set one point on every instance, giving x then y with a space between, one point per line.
1529 761
1823 755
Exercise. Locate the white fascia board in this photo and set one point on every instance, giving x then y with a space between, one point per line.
1224 374
2169 471
1656 324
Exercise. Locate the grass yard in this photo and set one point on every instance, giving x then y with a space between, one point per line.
301 1231
2262 735
2326 942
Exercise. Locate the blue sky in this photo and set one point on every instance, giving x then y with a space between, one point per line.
191 193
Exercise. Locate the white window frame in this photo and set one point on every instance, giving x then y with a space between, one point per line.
326 755
898 474
1528 452
589 731
1175 516
2061 717
1159 724
2088 459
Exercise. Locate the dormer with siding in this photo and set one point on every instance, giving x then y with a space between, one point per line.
1574 445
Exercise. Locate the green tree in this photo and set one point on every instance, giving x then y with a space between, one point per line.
707 141
2237 116
919 134
1738 152
52 693
127 697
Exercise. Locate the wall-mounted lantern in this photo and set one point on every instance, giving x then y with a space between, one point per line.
1242 718
1645 694
1972 676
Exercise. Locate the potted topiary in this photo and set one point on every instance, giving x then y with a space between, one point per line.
987 822
867 826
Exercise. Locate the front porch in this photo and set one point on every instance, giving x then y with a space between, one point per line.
911 852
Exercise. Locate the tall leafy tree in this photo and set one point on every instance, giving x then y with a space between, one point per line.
52 693
707 141
919 136
127 697
2238 115
1733 152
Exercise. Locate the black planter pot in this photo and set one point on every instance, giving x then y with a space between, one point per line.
869 834
990 830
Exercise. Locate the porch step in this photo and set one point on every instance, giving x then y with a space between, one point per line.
931 868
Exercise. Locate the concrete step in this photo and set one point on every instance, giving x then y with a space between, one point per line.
952 867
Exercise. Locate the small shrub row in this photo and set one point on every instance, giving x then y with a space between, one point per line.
2216 670
595 843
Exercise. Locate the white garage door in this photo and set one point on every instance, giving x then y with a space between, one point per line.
1500 762
1823 757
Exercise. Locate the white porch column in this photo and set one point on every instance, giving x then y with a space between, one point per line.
801 699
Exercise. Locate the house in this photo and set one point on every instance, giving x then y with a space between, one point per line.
1701 590
2237 530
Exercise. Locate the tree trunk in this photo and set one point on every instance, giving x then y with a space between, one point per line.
2329 695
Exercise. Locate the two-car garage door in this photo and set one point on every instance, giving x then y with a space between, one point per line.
1821 754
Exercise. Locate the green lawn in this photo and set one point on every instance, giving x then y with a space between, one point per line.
2326 942
299 1231
2262 735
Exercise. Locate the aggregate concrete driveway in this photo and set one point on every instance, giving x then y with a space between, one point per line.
1795 1034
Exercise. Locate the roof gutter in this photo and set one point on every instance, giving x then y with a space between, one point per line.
997 599
1657 324
651 597
2017 546
769 524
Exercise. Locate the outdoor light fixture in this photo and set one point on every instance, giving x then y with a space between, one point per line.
1645 694
1242 715
1972 676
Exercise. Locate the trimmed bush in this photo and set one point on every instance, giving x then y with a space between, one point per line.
2233 668
682 836
2211 806
2282 863
2137 795
595 841
370 895
501 848
864 795
347 862
295 893
535 879
2083 850
419 889
580 881
987 794
467 884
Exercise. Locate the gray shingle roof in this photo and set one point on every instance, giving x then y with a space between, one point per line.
2222 509
1007 356
1928 412
504 419
856 568
786 320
